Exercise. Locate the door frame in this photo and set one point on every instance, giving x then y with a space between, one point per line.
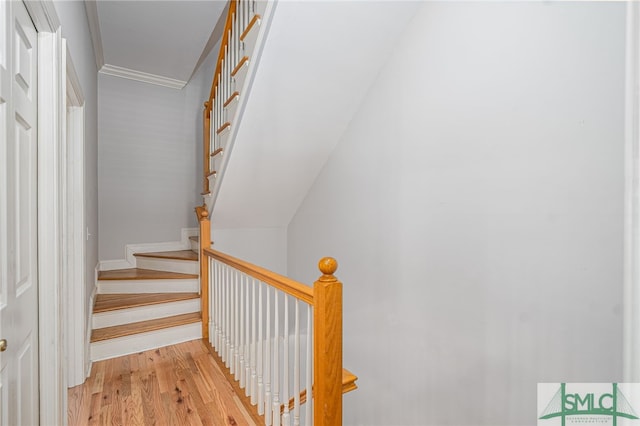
51 116
631 294
74 241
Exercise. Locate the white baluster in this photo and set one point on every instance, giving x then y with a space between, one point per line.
234 324
227 72
308 413
214 309
267 364
254 377
242 344
212 275
276 361
218 308
247 340
241 24
218 97
260 353
234 43
223 337
227 310
296 365
285 362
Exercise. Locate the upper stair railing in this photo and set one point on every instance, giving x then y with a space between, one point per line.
278 341
238 48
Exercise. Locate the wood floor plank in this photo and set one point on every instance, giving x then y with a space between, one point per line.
174 255
174 385
142 274
143 326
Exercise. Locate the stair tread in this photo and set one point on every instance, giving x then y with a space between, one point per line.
113 302
174 255
106 333
143 274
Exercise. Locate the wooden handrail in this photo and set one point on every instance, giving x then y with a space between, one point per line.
223 44
289 286
206 138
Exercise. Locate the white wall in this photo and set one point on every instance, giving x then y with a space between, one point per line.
75 29
150 158
265 247
475 206
147 154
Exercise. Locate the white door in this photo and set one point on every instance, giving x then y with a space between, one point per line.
18 216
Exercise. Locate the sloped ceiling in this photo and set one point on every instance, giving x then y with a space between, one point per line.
319 61
160 41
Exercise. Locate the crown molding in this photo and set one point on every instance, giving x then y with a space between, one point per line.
144 77
91 8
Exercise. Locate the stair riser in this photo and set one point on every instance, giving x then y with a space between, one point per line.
148 286
240 77
144 341
144 313
250 41
231 109
168 265
195 246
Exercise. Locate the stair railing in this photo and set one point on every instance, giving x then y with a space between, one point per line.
280 340
233 58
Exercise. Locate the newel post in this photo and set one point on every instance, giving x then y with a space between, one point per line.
205 242
327 346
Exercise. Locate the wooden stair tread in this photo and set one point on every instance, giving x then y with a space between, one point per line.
106 333
348 381
173 255
348 384
143 274
114 302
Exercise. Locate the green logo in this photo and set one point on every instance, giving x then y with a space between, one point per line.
613 404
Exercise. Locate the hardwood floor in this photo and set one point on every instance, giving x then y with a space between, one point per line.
174 385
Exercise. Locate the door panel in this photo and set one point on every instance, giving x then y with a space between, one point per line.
19 403
25 382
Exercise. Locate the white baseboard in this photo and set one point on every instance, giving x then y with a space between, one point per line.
130 261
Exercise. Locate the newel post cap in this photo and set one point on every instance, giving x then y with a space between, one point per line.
328 266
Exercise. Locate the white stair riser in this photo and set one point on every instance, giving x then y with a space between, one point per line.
241 75
144 341
167 265
195 246
217 161
148 286
144 313
232 107
250 41
224 137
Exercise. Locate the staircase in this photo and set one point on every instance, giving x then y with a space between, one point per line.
155 304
